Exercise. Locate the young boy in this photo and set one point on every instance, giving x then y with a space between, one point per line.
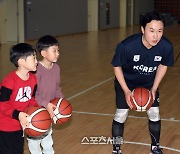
48 88
17 92
141 60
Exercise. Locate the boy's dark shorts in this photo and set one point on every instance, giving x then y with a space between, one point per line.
121 101
11 142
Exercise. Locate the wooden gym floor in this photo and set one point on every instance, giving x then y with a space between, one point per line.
87 82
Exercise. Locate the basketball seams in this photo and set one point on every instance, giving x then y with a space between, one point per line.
149 98
38 127
134 101
141 96
58 107
34 114
62 105
59 103
40 120
58 116
37 111
65 108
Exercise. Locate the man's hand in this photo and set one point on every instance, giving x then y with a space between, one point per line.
153 92
128 95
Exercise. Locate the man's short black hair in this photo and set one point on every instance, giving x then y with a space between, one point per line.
149 16
46 42
21 50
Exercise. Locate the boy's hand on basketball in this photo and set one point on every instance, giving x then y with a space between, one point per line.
50 108
128 95
23 119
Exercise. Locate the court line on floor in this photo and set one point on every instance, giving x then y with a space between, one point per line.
112 115
82 92
177 57
95 86
128 142
102 114
145 144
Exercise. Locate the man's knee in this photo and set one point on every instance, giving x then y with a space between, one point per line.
153 114
121 115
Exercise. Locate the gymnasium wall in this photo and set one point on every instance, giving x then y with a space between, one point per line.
55 17
170 8
11 21
141 6
31 19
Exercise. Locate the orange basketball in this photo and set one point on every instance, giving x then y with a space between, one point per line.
142 99
39 121
63 110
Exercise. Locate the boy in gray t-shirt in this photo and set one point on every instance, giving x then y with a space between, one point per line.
48 88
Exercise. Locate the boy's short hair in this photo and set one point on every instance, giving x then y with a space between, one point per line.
149 16
21 50
46 42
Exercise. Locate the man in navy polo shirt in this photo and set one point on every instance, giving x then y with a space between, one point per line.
141 60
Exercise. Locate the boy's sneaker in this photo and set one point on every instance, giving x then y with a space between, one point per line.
156 150
117 152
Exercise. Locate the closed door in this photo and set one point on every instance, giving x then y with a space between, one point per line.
128 12
108 14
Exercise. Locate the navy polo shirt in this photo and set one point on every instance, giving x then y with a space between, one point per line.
139 64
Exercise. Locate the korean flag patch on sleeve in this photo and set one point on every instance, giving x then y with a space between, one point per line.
157 58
